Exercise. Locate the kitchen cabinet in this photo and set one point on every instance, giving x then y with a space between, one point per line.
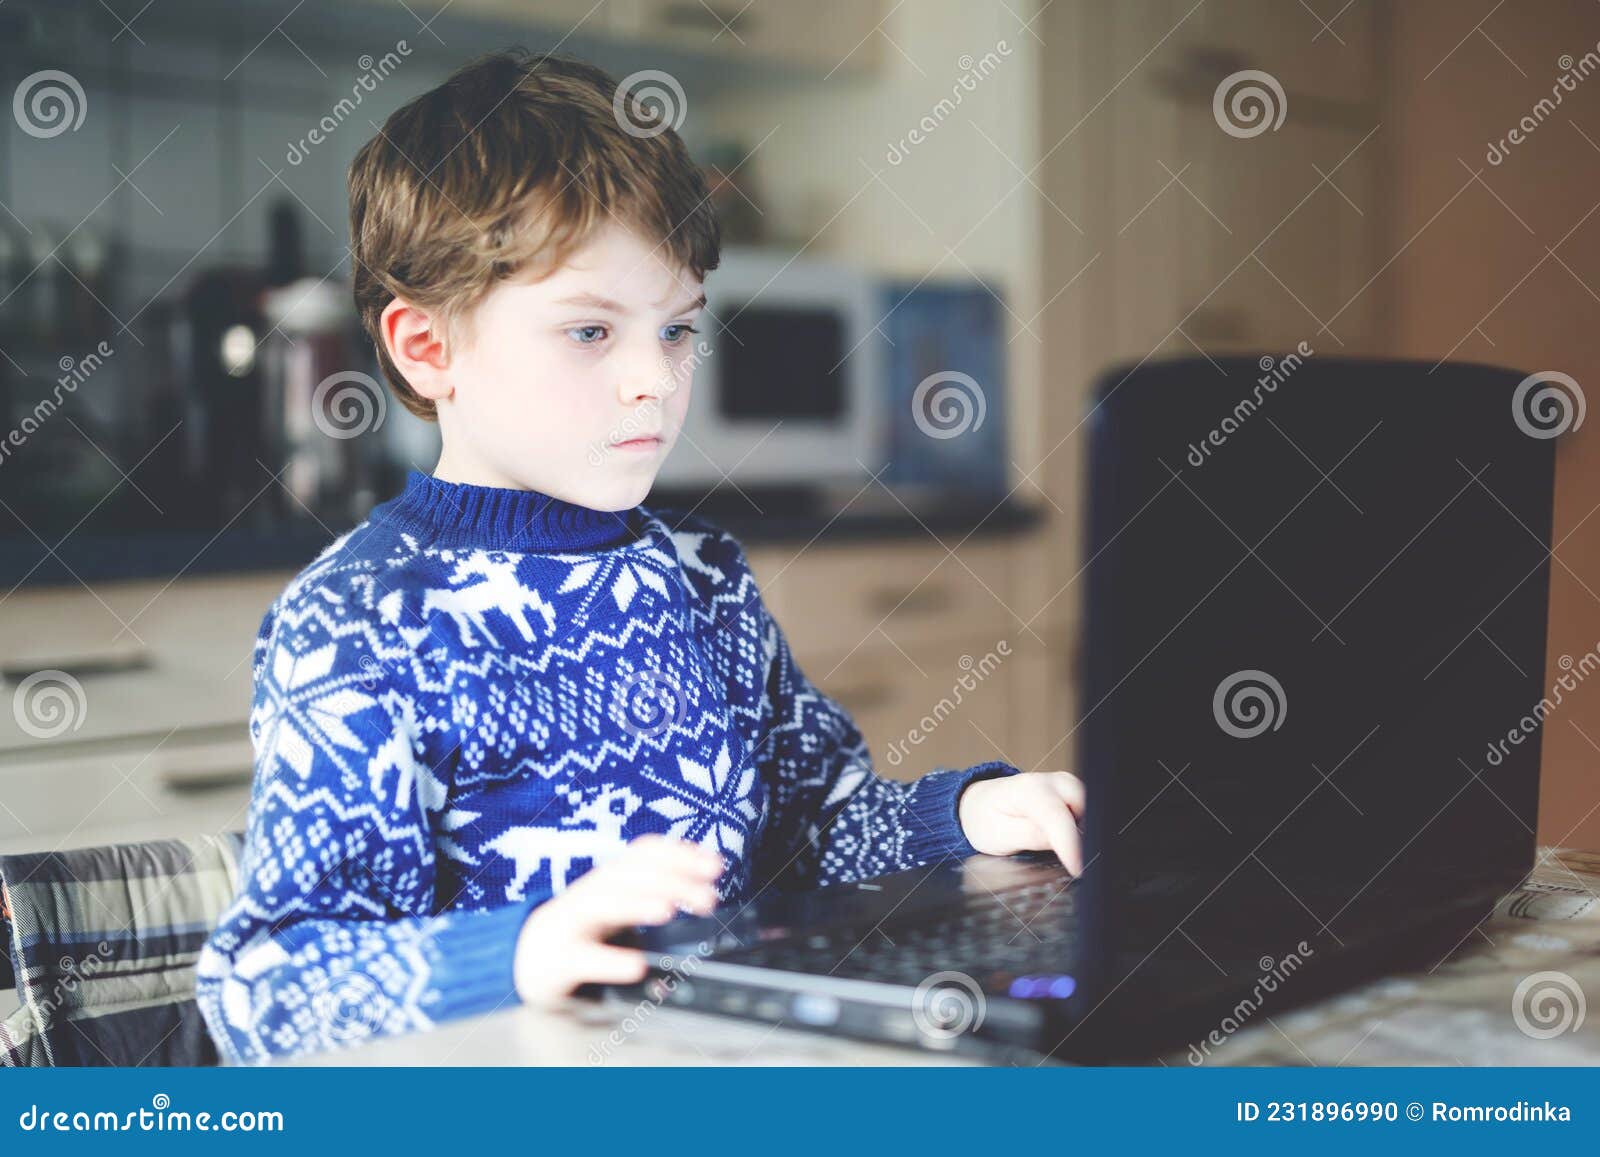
936 656
930 652
144 658
819 36
825 35
146 788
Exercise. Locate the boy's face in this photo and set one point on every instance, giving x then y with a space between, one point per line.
576 384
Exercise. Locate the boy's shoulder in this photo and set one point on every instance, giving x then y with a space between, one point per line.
711 558
371 575
319 614
344 583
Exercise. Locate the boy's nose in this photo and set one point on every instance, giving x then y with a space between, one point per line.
652 380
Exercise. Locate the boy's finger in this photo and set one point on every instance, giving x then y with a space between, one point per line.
608 964
681 883
1069 788
657 849
1057 824
611 906
640 898
691 891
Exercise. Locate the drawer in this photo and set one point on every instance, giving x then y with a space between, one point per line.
822 34
1046 685
835 599
185 663
184 786
942 707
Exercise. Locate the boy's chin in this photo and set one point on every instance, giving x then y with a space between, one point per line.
622 493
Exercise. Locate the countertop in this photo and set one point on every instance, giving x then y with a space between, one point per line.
755 518
1513 993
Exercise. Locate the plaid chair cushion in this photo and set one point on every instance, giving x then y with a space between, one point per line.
103 943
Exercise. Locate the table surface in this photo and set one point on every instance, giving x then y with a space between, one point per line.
1512 993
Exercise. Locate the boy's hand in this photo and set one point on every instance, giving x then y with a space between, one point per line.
1033 811
562 943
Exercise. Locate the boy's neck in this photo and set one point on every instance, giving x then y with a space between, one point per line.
484 516
450 468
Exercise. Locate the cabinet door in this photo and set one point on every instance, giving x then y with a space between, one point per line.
903 594
825 34
131 658
1288 256
1320 50
157 788
585 17
1232 240
1044 702
943 706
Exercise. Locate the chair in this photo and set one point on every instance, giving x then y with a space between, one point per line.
102 948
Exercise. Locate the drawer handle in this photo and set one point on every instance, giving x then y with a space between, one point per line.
705 16
194 782
207 767
82 665
921 601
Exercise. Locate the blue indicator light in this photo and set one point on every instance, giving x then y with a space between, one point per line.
1057 986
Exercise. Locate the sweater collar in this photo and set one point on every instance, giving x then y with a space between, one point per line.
465 514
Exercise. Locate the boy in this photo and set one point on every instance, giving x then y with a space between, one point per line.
514 712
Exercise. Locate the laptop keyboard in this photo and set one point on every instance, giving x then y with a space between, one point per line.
1013 931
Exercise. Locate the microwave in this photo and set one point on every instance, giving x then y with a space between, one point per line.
788 375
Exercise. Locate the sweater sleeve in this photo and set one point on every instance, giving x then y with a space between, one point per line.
831 818
334 936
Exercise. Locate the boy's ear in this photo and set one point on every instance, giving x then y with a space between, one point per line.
416 348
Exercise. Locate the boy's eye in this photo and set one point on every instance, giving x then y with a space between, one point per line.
677 333
587 334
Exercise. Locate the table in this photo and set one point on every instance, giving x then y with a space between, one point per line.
1512 993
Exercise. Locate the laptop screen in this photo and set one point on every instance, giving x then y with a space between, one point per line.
1314 655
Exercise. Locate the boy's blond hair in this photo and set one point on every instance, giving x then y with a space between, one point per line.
504 169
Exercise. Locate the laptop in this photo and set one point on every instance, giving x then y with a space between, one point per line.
1314 614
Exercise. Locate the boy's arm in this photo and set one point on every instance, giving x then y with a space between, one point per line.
332 936
831 819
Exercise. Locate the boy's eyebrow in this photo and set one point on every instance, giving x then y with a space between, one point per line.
595 301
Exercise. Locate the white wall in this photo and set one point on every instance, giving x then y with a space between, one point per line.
957 205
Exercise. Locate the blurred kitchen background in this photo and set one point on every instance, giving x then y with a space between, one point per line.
945 219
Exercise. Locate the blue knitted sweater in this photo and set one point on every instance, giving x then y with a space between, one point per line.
472 698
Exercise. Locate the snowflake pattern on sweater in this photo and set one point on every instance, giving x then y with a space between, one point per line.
477 695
